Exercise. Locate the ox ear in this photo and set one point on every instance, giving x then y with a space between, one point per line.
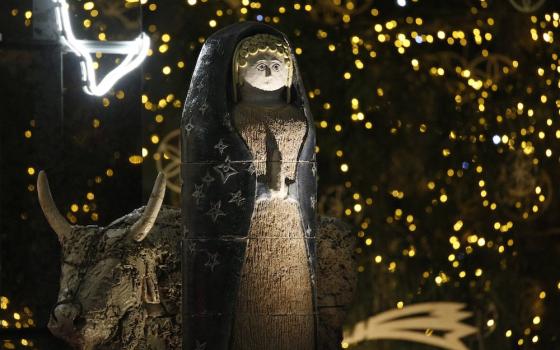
142 227
150 290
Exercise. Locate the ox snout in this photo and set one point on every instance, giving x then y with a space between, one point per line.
65 322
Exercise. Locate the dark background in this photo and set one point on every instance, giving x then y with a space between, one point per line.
407 152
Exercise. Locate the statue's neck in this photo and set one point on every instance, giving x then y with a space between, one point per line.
251 95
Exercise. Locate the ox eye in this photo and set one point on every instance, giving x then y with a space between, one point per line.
117 274
276 67
261 67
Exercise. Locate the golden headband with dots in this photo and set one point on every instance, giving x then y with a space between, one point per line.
260 43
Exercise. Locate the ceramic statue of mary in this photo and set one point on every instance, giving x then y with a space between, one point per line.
249 190
274 307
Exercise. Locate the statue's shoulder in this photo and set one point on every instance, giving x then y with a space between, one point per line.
246 108
244 113
293 109
294 113
238 108
241 112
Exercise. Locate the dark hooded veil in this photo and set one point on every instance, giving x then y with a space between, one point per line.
219 185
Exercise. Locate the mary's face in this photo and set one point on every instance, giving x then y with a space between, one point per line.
264 71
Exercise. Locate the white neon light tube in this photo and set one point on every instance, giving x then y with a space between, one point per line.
135 52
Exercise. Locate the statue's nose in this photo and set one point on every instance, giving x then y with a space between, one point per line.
267 71
64 319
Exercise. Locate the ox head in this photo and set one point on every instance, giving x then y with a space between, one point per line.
107 273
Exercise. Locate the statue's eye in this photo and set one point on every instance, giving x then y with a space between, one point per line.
276 67
261 67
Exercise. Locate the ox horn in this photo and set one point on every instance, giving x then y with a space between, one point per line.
55 219
142 227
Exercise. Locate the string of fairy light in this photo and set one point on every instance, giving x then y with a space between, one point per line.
401 42
406 35
18 320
